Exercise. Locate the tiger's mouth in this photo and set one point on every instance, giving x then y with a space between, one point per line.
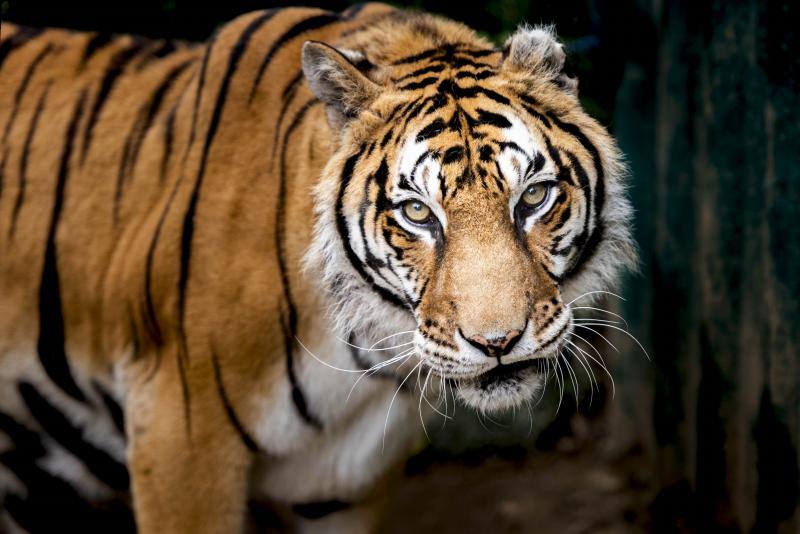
504 373
504 386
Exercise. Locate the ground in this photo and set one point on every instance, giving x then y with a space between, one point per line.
564 493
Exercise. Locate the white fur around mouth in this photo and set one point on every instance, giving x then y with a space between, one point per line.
503 387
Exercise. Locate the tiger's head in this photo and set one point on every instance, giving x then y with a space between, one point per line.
469 198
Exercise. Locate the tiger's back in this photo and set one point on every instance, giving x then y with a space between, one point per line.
107 144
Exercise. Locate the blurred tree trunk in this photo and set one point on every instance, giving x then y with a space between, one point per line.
711 125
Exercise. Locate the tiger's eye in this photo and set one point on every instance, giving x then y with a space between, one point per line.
417 212
534 195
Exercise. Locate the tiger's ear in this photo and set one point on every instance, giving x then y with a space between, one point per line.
536 50
337 82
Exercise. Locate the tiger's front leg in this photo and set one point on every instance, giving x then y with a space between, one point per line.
188 466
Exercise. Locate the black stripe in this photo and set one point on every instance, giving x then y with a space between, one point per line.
96 42
583 183
434 128
23 36
479 53
305 25
536 165
425 82
563 174
290 327
502 145
318 510
3 170
115 68
144 119
417 57
576 132
460 62
136 343
149 317
152 108
565 214
50 345
23 162
22 87
188 220
287 97
63 505
477 75
353 11
344 233
169 136
415 110
598 192
57 426
474 92
493 119
24 440
424 70
452 155
438 101
298 398
198 96
265 517
379 179
113 408
248 441
161 49
536 115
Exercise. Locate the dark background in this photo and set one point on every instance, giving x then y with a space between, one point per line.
703 437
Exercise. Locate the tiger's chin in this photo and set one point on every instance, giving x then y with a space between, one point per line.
504 386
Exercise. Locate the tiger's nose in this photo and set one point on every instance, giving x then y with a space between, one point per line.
495 346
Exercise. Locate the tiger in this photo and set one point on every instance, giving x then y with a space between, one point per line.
222 261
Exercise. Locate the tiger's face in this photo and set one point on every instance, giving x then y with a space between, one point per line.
471 196
479 221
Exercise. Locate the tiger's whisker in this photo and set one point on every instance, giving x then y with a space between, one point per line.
594 293
572 378
370 349
559 380
326 364
602 311
600 356
375 368
585 327
589 374
586 365
391 403
624 332
582 320
544 385
530 417
601 363
419 404
489 417
434 408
